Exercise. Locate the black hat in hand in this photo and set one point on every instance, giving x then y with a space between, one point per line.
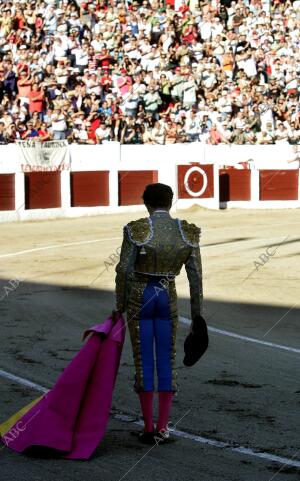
196 342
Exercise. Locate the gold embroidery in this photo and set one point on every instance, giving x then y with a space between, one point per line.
124 270
140 230
133 315
174 318
191 232
165 252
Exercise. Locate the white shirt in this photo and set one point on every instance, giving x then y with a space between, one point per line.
250 67
58 122
97 45
59 50
102 133
82 57
205 30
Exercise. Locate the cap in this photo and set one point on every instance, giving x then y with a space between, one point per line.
196 342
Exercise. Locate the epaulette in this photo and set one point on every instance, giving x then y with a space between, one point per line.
140 231
190 233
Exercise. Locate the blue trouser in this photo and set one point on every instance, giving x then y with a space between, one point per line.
156 329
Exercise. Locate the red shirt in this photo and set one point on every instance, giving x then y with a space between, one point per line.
183 8
25 89
104 59
43 133
95 124
92 136
215 137
36 99
106 80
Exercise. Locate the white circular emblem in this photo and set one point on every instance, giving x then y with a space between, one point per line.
186 181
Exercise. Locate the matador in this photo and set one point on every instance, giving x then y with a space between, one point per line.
154 249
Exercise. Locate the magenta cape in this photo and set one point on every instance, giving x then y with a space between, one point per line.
73 415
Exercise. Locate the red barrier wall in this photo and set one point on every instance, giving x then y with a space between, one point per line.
278 184
132 185
202 182
7 191
42 190
235 184
89 188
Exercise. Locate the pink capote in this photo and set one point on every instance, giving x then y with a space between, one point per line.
73 415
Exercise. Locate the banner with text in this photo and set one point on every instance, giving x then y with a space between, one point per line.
49 156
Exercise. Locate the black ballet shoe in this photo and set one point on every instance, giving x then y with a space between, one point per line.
161 437
146 437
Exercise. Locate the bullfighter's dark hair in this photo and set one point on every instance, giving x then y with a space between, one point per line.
158 196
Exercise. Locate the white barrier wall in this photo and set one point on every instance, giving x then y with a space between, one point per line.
271 182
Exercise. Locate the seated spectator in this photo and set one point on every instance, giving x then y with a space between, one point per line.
281 133
128 135
3 134
264 138
215 136
103 133
43 132
30 133
192 126
171 133
158 134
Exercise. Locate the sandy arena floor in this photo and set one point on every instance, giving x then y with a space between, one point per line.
237 410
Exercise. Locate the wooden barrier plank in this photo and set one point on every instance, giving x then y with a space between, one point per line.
132 185
278 184
42 190
90 188
235 184
7 191
199 178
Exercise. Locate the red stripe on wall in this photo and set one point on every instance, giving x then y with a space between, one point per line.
278 184
132 185
89 189
235 184
7 191
42 190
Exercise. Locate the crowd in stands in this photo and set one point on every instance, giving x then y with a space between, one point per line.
150 71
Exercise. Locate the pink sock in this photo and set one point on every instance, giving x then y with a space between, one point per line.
146 401
164 408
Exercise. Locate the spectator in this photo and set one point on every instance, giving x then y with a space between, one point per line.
102 133
36 99
281 133
171 133
215 136
58 124
30 133
152 101
128 135
3 134
43 132
158 134
192 127
24 86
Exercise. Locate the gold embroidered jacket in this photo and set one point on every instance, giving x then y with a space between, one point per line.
160 245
